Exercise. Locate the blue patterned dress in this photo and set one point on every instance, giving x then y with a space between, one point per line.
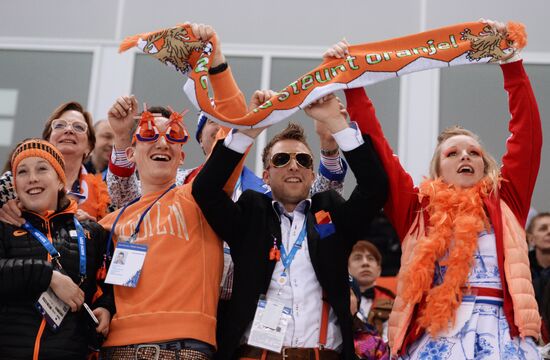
482 330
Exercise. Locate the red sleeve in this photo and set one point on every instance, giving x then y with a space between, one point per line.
402 200
520 163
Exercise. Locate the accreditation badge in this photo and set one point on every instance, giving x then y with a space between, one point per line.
126 264
269 325
52 308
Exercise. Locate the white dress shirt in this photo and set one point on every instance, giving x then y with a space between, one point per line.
302 292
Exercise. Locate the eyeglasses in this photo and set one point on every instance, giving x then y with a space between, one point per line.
147 130
77 126
283 158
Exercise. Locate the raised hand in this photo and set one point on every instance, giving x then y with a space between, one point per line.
328 110
338 50
121 118
259 97
501 28
206 32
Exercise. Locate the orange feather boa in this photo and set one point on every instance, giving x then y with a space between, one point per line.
456 217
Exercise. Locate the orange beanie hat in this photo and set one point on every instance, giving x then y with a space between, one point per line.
39 148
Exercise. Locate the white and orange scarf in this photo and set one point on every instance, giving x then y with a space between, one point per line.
466 43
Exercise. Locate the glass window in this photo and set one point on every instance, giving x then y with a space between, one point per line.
473 97
34 83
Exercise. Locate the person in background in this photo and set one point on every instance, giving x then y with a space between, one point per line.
368 343
99 158
365 266
538 236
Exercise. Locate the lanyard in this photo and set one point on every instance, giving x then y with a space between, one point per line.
55 255
136 230
287 259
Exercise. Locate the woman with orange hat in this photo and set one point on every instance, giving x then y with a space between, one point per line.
48 265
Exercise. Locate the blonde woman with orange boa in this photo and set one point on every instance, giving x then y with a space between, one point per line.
464 288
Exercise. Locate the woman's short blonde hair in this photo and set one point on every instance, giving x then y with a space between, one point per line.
491 169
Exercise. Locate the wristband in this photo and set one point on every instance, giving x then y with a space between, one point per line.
218 69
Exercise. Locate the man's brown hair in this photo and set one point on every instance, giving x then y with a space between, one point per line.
365 245
291 132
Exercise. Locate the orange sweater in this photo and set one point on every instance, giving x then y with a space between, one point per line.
177 293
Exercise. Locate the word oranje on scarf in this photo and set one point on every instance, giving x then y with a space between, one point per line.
367 64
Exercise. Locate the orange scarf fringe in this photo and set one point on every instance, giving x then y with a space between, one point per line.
456 217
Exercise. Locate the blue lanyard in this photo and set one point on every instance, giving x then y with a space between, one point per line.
136 231
287 259
81 248
110 239
55 255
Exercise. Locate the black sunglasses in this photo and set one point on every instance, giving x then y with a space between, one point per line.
283 158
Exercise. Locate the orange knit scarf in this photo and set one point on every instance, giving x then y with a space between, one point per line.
456 217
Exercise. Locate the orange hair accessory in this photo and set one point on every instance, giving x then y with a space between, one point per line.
517 34
39 148
147 130
177 126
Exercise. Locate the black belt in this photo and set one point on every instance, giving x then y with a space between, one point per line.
177 349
